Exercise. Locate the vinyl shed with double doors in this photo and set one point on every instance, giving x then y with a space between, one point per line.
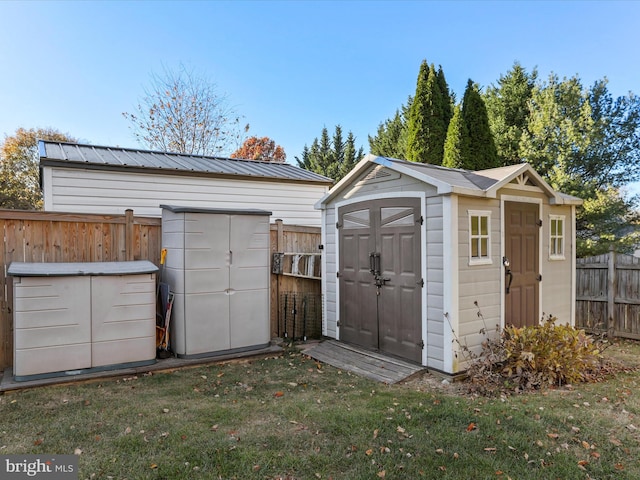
420 258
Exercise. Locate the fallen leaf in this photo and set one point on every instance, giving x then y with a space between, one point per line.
552 435
471 426
442 468
615 441
127 430
499 472
375 433
456 455
582 463
586 445
595 454
369 452
256 468
439 451
400 430
165 410
153 466
539 443
490 449
221 374
77 451
382 474
278 394
214 427
37 442
618 466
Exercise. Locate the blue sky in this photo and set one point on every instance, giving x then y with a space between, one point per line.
291 67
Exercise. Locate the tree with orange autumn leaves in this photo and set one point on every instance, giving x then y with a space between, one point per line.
264 149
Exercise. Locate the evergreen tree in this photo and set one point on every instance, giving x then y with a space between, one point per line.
508 109
391 138
338 146
331 157
351 155
586 143
428 118
417 124
456 141
479 150
447 98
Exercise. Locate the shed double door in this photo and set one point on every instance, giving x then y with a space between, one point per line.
380 276
218 267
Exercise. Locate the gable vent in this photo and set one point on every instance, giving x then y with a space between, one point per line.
379 174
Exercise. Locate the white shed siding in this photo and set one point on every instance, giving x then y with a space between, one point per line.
478 283
556 285
104 192
435 284
329 275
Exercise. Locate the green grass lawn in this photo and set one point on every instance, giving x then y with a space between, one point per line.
288 417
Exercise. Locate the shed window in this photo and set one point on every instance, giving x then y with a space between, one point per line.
357 219
479 238
556 237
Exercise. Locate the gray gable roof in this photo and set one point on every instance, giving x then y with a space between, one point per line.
482 183
72 155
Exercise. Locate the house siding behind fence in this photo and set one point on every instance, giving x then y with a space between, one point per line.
111 192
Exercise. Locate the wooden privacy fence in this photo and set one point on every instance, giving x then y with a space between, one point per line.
608 294
296 303
62 237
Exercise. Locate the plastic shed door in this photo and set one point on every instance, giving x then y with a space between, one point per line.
123 327
218 268
50 322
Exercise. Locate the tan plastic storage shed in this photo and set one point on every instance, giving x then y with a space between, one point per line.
217 265
71 318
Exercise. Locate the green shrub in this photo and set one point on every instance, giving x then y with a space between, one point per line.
529 358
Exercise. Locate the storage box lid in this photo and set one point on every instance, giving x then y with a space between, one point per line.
26 269
225 211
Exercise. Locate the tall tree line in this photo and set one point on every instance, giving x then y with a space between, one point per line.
582 140
332 157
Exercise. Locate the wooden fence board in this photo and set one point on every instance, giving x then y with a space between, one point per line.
608 294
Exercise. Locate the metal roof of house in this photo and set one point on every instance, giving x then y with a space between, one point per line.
75 155
482 183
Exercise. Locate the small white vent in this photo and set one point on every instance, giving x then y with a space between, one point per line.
379 174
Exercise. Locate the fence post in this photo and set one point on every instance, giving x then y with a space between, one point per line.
611 292
279 249
128 235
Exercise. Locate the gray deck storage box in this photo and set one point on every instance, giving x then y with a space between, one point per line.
217 265
73 317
